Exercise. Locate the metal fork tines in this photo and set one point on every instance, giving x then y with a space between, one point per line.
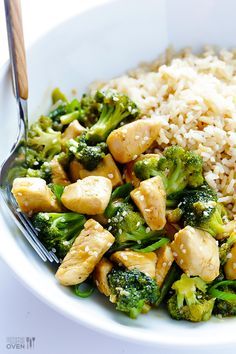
11 167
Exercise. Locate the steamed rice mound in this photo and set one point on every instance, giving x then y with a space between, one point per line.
194 97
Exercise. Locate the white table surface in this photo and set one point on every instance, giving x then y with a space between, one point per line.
21 313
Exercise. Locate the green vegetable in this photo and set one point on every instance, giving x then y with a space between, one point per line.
225 304
45 141
58 230
116 108
57 95
127 225
173 274
154 246
132 290
200 209
64 112
178 169
190 301
225 248
88 155
57 189
44 171
84 289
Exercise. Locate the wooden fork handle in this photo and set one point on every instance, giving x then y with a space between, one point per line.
16 48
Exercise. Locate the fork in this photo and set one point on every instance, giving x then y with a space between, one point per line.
15 160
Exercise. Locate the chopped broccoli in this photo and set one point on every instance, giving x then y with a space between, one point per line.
57 95
200 209
178 169
63 113
126 224
88 155
58 230
131 290
44 171
43 139
190 301
225 304
116 108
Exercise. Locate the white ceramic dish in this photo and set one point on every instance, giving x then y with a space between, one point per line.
100 44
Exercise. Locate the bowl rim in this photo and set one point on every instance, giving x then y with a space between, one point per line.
118 331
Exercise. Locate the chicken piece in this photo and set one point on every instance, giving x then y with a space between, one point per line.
106 168
150 198
100 276
129 141
74 170
59 176
196 252
129 172
86 251
145 262
73 130
230 265
165 259
33 195
90 195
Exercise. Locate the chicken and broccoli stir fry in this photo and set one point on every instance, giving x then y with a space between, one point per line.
142 227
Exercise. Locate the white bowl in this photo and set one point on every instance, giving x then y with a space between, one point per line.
100 44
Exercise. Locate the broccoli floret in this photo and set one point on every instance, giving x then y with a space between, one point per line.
131 290
43 139
178 168
44 171
127 225
57 95
88 155
90 110
225 294
64 112
58 230
200 209
190 301
116 108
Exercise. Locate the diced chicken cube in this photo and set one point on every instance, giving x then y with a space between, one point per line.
196 252
33 195
165 259
129 172
100 276
230 265
73 130
59 176
145 262
150 198
90 195
86 251
106 168
129 141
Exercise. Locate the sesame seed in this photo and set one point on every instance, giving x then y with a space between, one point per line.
97 283
147 210
96 227
134 157
181 246
148 229
175 254
181 261
138 223
169 263
141 197
54 250
36 163
120 231
234 265
146 138
110 175
229 255
86 249
184 250
139 242
164 264
109 228
54 141
137 137
125 257
109 220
